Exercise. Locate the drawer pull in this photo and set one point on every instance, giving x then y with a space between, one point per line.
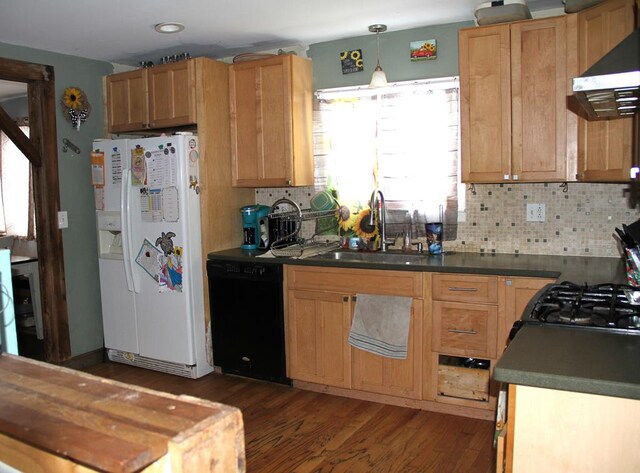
463 289
468 332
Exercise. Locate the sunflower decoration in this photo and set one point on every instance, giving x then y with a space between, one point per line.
363 228
345 219
75 106
351 61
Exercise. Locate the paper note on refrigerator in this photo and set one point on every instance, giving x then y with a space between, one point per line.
98 194
116 167
148 259
137 167
170 208
97 168
150 205
161 168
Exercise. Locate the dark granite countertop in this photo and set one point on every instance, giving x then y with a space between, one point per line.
570 359
578 269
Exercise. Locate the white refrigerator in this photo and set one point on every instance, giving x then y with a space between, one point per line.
150 258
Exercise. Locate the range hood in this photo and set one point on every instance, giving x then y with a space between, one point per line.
611 87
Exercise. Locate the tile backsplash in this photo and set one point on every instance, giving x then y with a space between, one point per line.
579 219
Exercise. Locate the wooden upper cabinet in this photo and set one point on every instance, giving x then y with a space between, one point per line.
604 146
127 108
153 98
172 97
513 81
485 103
271 122
539 100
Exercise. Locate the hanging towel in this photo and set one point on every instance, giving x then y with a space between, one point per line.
381 325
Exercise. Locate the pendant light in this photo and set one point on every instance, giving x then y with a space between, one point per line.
379 78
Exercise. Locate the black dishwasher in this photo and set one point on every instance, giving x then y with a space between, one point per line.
247 319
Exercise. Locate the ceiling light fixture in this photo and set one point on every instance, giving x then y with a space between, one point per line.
379 78
169 27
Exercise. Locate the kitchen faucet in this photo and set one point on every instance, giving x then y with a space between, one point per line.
382 210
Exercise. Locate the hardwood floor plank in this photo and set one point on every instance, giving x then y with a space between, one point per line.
290 430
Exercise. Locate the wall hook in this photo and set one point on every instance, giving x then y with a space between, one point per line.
472 187
69 145
565 187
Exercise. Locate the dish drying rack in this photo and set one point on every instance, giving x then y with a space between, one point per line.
287 216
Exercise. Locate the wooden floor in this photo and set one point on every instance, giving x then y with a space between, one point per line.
290 430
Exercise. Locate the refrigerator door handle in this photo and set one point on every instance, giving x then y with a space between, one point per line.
124 222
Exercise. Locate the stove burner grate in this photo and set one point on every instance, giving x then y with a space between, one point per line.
601 306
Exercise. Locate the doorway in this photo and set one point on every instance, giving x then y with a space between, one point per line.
41 150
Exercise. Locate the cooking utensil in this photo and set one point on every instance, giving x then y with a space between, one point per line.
626 240
633 230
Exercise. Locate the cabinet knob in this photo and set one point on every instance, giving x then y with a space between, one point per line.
289 182
505 177
345 298
515 177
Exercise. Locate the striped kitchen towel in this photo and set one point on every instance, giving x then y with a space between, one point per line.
381 325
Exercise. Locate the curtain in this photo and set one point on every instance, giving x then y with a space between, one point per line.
403 139
17 208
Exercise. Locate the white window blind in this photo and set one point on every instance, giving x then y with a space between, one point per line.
403 139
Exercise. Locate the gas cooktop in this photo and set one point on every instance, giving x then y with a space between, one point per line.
613 307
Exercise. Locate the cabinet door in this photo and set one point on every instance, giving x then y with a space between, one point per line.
518 293
260 93
127 101
172 97
383 375
539 94
604 146
485 104
318 326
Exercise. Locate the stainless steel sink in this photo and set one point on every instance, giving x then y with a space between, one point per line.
376 257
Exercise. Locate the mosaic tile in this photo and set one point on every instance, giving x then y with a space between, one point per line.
580 222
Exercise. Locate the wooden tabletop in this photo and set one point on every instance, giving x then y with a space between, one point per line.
111 426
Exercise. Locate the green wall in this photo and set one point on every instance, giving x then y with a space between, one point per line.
394 56
76 193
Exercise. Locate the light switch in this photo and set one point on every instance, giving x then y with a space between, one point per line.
63 221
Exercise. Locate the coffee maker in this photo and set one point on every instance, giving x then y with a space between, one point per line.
255 227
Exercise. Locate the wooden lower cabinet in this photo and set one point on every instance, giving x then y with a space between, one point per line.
464 317
553 430
378 374
317 331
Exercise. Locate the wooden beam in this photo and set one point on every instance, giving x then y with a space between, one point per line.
20 71
42 122
21 140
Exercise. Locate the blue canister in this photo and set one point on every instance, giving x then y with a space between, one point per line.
434 237
354 243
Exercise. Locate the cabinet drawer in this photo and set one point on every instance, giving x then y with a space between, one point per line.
464 329
464 288
365 281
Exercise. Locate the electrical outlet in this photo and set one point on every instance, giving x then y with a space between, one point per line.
535 212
